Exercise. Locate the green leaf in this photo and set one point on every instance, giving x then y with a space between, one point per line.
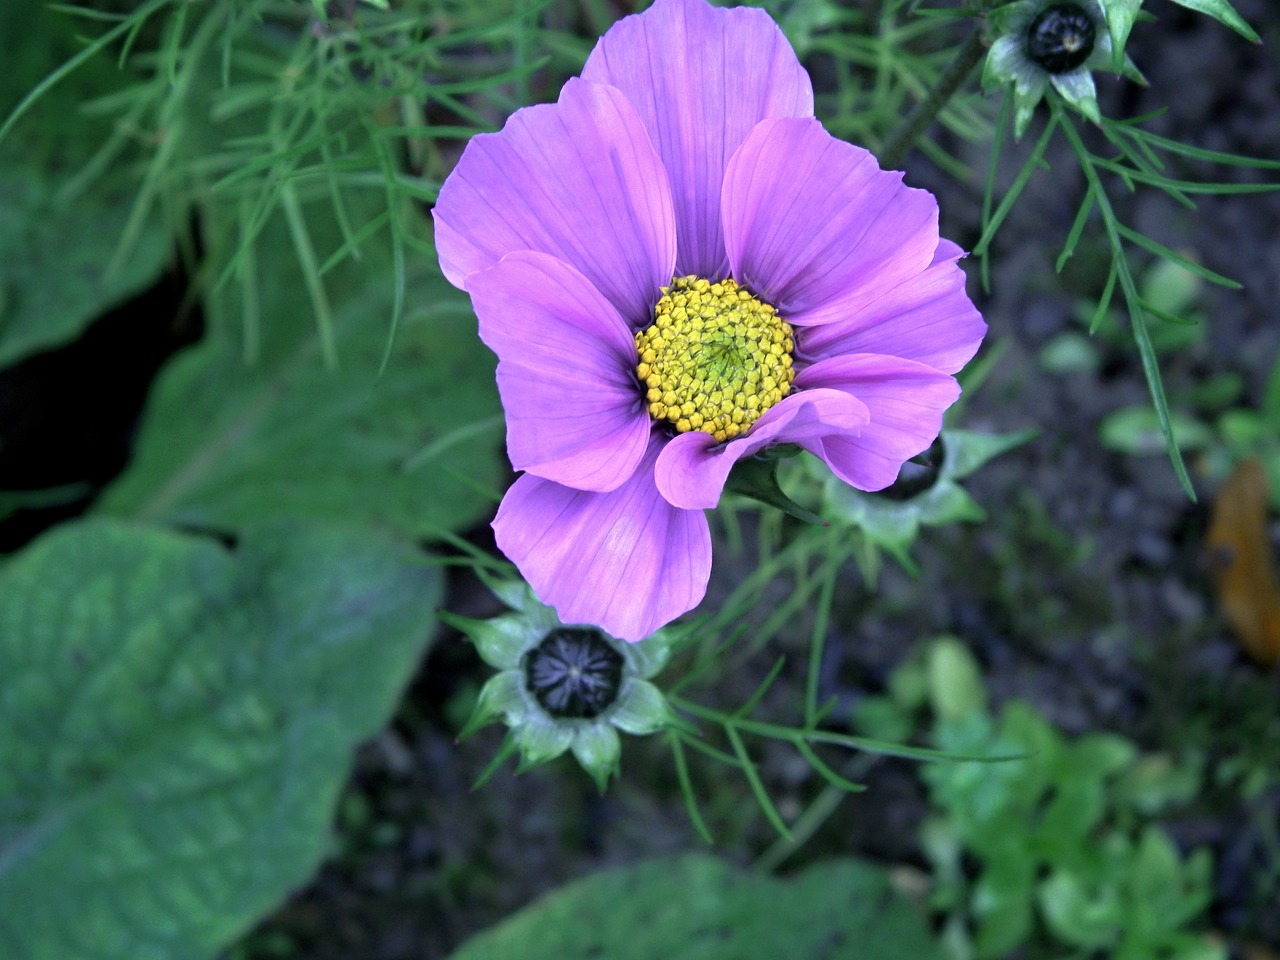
178 721
968 450
955 681
1136 431
1064 829
55 242
1079 914
1121 272
1166 892
1224 13
414 448
1002 900
698 908
1101 755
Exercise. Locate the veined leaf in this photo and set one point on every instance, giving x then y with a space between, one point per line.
177 722
698 908
415 447
55 243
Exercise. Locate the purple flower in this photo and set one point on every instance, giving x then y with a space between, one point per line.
677 267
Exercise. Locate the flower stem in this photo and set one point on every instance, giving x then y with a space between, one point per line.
918 120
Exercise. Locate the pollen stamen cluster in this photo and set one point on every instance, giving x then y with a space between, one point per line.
715 359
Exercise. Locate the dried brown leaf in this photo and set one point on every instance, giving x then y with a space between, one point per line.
1245 576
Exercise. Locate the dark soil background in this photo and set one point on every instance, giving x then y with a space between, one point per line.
1085 592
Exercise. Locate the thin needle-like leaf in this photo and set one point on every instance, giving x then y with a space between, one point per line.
989 182
757 785
1033 162
1142 337
1077 228
686 787
1160 250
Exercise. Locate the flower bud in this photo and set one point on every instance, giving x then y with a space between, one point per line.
565 688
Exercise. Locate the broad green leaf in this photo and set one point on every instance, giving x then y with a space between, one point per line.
1166 891
55 243
1079 914
415 447
177 721
698 908
1002 901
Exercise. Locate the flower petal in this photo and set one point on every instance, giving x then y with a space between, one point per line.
700 78
809 220
626 561
692 468
906 401
577 179
927 318
566 372
947 251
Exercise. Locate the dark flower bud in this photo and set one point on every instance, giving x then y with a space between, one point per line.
1061 37
574 673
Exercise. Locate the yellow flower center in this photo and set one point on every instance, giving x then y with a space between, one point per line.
715 359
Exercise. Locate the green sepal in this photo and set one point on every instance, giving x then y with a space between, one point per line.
1077 88
650 655
506 751
541 739
757 478
1024 109
1224 13
1121 15
513 592
1028 91
599 750
500 697
644 710
1130 71
1000 65
501 642
1005 17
